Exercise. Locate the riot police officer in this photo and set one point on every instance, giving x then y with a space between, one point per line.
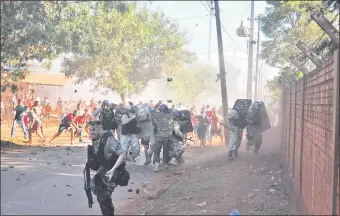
106 116
237 123
129 133
254 134
107 157
176 149
163 132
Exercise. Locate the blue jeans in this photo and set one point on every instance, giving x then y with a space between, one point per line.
22 125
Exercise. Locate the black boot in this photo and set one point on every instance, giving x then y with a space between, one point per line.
230 155
107 208
236 153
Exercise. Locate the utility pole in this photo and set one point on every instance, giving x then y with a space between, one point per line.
257 61
210 28
222 74
250 52
261 89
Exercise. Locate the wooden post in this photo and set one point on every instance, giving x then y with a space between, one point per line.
327 27
309 53
336 142
302 128
294 137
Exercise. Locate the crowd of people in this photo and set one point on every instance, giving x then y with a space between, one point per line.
30 113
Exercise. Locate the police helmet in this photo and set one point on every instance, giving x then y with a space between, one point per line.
242 103
133 109
113 106
177 114
257 105
105 103
163 108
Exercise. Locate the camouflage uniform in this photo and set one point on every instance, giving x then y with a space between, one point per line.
253 129
144 118
120 111
104 190
235 132
176 148
164 127
148 144
130 141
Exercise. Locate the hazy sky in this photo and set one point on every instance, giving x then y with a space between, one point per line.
193 17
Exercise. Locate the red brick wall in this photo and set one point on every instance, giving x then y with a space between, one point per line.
308 117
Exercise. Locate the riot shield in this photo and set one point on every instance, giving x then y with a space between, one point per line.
265 122
144 121
242 102
262 115
242 106
185 122
119 113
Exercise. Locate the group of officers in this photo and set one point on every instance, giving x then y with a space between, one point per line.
158 127
252 117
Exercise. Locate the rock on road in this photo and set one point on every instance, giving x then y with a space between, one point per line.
49 180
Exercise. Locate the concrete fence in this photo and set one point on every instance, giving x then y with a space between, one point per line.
310 137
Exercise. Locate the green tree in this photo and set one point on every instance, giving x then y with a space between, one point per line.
193 81
27 33
122 50
283 24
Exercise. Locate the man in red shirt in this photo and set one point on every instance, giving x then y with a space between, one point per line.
80 121
66 124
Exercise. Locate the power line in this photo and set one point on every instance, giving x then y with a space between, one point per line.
189 18
224 29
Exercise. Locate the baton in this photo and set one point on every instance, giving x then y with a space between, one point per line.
226 126
190 139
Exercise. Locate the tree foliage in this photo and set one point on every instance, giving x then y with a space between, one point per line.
284 23
121 49
193 81
27 33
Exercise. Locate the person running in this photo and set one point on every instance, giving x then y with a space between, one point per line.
80 121
19 120
66 124
34 125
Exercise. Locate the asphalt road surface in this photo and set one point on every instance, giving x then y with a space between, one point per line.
49 180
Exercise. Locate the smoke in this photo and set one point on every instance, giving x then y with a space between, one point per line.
155 90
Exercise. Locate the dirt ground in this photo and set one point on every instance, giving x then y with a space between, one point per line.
208 184
49 131
205 184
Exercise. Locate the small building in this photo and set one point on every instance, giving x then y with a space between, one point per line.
39 84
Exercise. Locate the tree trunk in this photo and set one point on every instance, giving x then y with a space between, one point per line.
123 97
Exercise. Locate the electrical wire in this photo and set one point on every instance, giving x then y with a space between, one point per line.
224 29
189 18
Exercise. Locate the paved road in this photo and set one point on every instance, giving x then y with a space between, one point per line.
49 180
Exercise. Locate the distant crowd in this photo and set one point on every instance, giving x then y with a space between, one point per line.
29 113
